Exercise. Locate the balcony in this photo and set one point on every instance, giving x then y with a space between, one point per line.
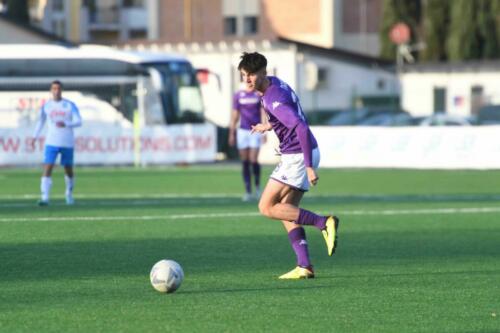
115 18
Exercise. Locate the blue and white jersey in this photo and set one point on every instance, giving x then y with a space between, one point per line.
59 111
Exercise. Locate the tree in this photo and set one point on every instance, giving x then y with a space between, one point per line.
462 43
18 11
495 10
487 29
436 20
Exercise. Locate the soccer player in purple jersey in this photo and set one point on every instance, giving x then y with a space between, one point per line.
247 109
297 169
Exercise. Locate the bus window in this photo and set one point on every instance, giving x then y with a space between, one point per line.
153 110
181 98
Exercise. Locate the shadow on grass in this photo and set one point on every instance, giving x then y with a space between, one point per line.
254 255
14 207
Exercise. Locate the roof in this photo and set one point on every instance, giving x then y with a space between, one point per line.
51 51
471 66
36 31
341 54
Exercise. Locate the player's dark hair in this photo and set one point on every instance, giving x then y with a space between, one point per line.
252 62
59 83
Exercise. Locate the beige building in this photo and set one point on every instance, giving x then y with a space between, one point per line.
346 24
58 17
12 32
343 24
97 21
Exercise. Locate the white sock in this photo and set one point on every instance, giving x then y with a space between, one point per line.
45 186
70 182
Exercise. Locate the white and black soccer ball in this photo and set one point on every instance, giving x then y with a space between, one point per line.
166 276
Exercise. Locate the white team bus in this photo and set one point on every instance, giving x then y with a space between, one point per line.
161 87
158 91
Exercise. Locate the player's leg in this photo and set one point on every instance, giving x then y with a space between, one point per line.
50 156
291 172
242 143
297 238
255 143
253 156
246 174
271 206
69 178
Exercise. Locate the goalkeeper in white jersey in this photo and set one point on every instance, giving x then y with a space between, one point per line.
61 116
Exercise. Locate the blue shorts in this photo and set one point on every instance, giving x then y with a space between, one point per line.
51 153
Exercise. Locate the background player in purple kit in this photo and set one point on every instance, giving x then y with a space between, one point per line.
62 117
247 109
297 169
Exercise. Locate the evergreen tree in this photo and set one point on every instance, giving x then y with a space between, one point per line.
18 11
462 42
487 29
495 10
436 20
389 18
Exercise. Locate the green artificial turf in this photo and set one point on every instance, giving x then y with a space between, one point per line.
419 252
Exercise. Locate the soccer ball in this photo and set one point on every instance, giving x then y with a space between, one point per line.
166 276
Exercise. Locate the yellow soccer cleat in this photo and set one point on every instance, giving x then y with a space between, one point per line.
298 273
330 233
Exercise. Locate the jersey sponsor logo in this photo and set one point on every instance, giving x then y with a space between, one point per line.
248 100
57 113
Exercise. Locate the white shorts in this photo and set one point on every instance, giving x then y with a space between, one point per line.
292 170
246 139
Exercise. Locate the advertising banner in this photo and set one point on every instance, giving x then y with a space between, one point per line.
102 144
454 147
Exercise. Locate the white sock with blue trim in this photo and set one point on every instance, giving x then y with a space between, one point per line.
45 186
70 182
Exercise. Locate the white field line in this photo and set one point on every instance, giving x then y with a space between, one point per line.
431 211
125 196
131 199
238 195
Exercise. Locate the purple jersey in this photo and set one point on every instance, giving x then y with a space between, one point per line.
247 103
284 111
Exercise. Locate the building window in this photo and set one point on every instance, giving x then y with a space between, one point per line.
476 99
138 34
439 100
59 28
250 25
57 5
133 3
322 77
230 25
381 84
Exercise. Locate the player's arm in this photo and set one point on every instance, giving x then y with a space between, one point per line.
264 125
263 120
39 125
302 131
76 119
235 116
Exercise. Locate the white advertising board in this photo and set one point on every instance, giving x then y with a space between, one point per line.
464 147
102 144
